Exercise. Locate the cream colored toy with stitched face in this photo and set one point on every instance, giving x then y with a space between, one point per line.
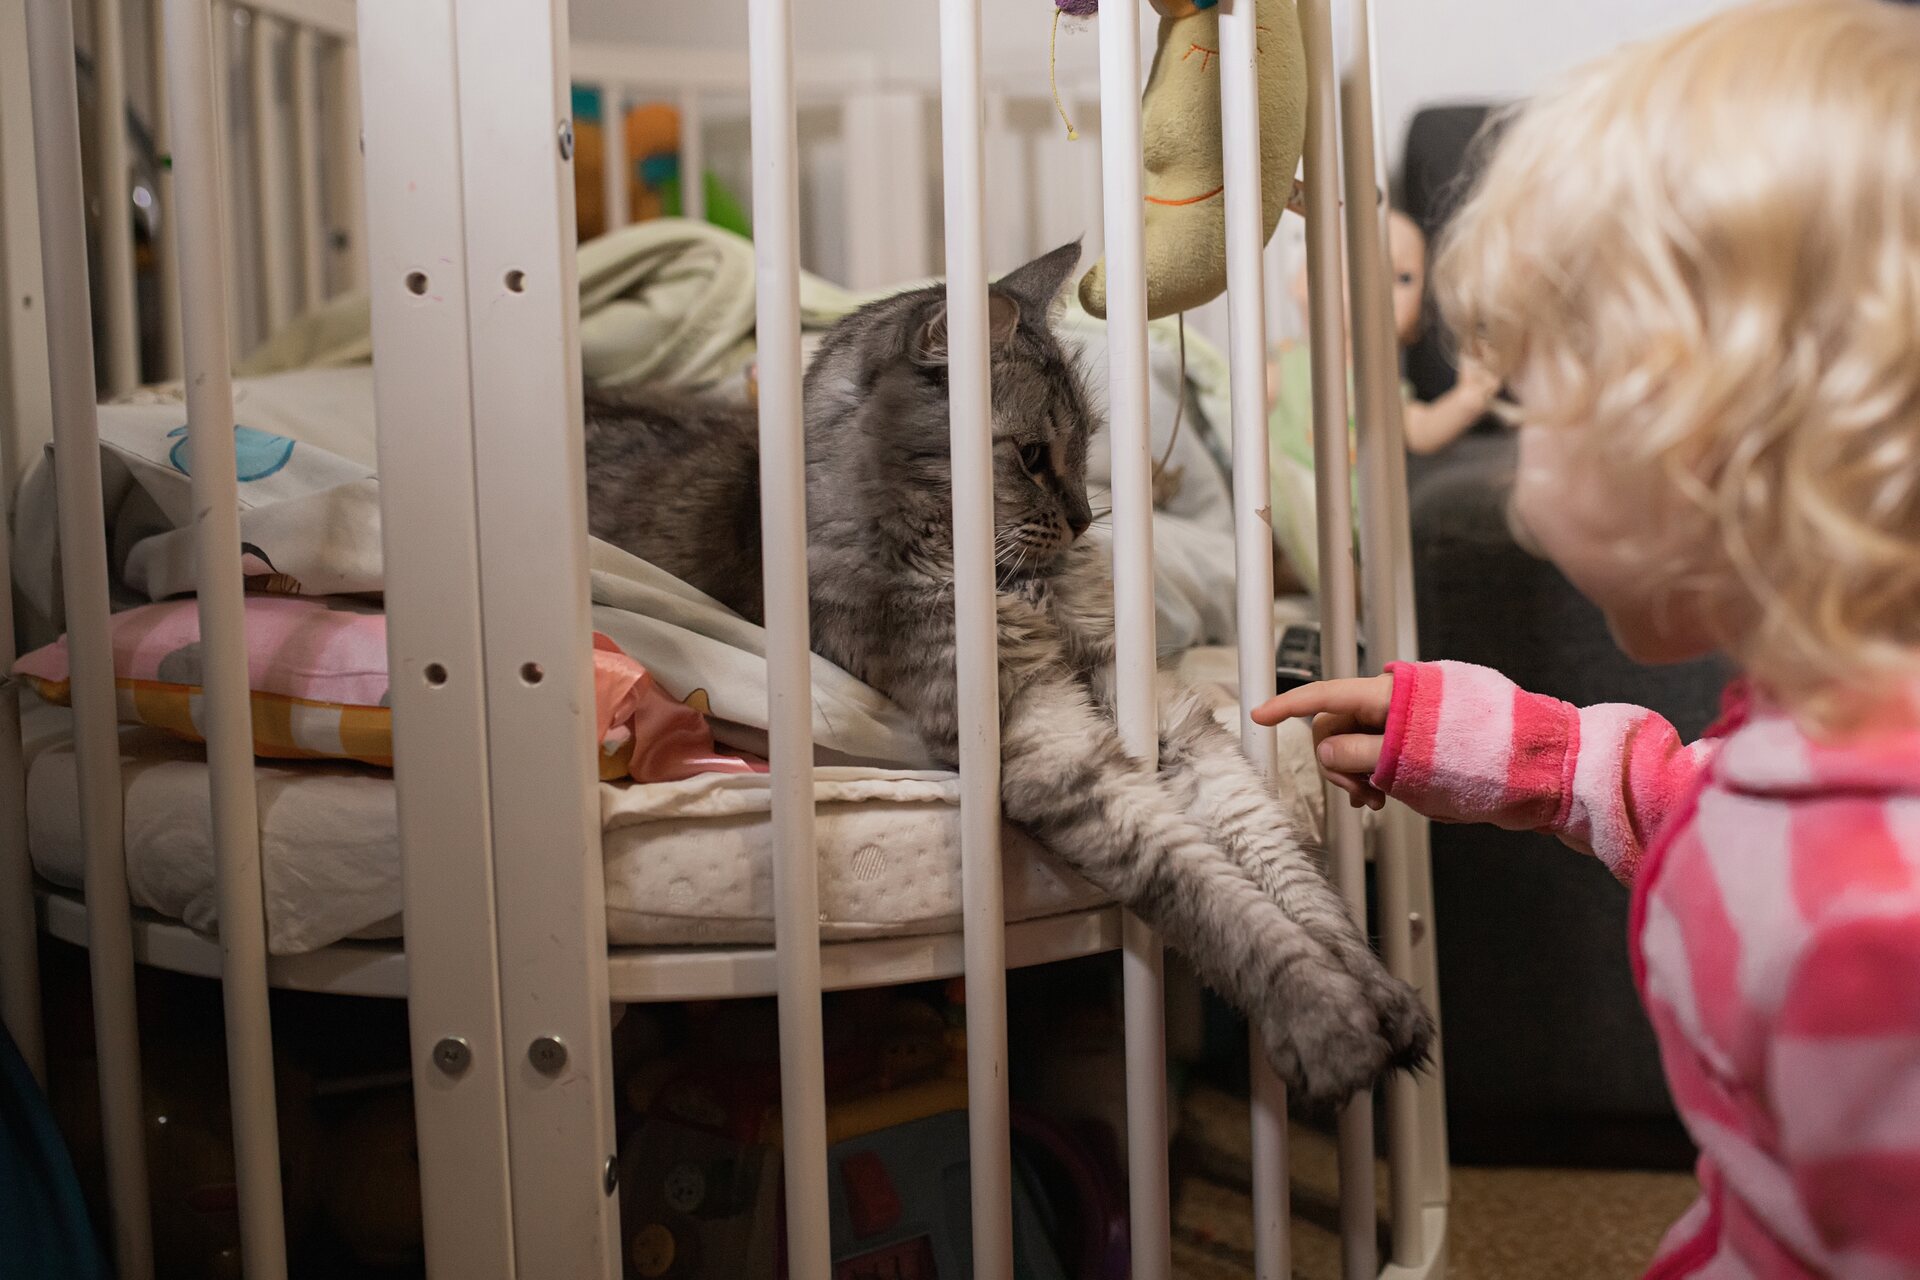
1186 232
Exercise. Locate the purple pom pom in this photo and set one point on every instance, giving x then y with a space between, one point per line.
1077 8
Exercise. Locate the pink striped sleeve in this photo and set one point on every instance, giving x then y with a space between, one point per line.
1465 744
1844 1079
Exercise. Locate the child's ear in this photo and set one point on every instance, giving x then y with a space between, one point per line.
930 336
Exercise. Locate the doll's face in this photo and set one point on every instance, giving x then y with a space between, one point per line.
1407 261
1407 253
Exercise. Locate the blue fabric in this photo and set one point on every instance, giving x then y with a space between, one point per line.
43 1217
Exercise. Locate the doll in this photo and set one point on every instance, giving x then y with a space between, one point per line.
1430 425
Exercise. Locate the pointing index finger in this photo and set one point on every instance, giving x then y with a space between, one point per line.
1362 699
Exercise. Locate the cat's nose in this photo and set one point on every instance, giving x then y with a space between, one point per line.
1079 519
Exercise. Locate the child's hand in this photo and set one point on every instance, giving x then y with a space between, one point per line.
1480 384
1349 719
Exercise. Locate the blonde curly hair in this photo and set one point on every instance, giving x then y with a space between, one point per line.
1702 254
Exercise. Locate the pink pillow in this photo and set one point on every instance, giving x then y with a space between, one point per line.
317 668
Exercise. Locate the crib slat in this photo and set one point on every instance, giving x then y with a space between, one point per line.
166 260
430 547
1253 547
26 403
240 317
976 628
1387 561
310 234
887 218
269 179
83 576
530 484
120 324
24 409
345 173
19 930
783 533
693 157
613 136
226 708
1338 608
1122 188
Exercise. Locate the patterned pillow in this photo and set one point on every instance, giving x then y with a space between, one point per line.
317 668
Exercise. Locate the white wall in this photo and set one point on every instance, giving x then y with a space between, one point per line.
1430 50
1437 51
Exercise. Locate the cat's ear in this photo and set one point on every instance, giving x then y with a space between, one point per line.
930 337
1038 284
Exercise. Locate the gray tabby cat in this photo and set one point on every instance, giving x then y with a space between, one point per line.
1199 848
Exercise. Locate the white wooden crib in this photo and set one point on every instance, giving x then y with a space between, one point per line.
422 149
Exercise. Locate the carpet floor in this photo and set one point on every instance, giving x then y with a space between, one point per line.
1503 1224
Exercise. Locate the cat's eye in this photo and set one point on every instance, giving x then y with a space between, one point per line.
1033 457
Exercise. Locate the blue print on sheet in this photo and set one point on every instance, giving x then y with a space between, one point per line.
257 454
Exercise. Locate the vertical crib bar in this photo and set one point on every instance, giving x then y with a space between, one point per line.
221 16
269 182
969 389
23 373
783 533
1253 547
1382 450
120 322
166 258
19 933
1416 1113
1006 228
1135 656
226 708
693 157
23 410
613 140
311 240
345 178
423 395
26 405
516 151
83 577
1338 608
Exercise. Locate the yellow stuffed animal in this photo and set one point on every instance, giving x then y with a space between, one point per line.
1186 231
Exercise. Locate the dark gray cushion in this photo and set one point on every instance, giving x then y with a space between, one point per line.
1549 1055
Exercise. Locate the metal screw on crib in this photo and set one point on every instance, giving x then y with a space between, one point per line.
566 139
548 1055
452 1055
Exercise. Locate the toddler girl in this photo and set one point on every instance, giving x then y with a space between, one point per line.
1697 263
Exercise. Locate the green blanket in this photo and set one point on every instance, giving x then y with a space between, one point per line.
669 301
665 301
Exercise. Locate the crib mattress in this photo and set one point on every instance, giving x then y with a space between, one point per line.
687 862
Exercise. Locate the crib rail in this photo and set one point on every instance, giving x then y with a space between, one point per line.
469 265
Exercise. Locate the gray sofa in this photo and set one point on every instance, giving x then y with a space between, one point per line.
1549 1058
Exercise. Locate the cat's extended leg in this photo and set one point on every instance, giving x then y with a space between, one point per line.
1227 796
1066 778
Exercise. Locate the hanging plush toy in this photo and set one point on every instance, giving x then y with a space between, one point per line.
1186 231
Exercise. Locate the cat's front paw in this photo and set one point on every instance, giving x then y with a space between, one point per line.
1405 1021
1327 1046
